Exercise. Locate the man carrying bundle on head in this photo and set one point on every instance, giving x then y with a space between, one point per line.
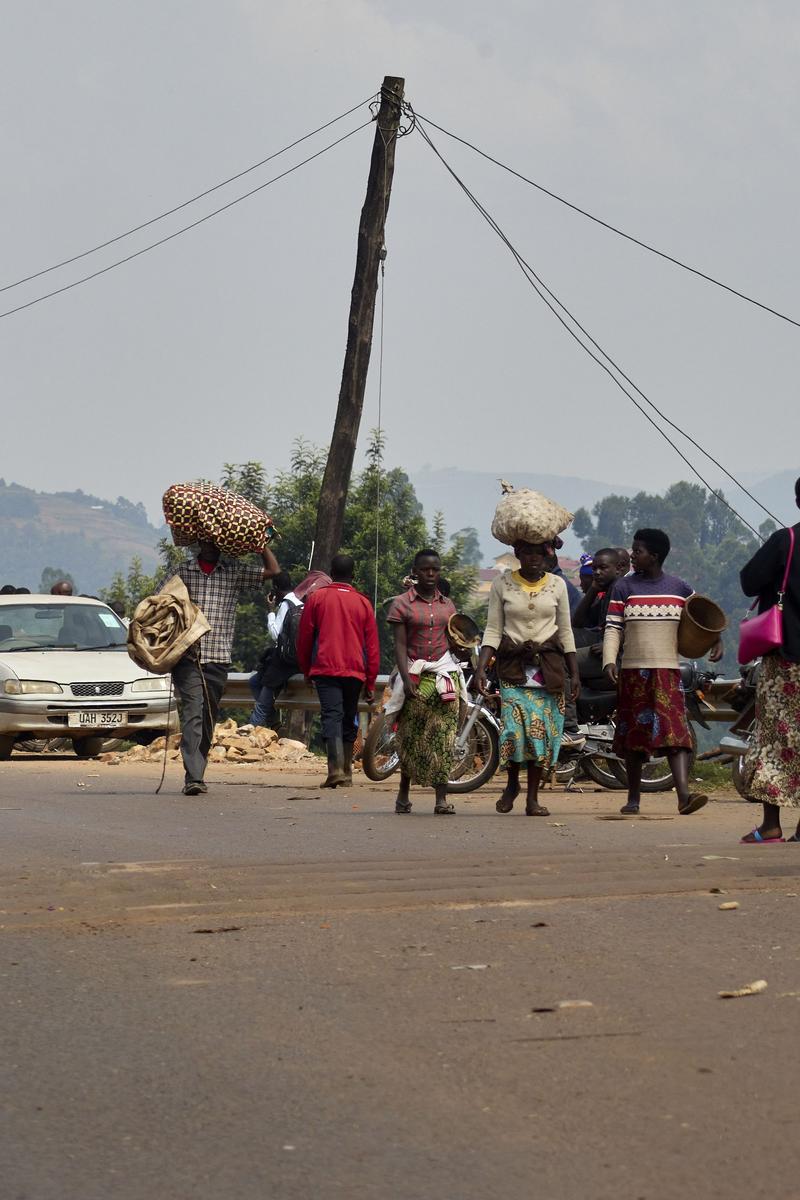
214 584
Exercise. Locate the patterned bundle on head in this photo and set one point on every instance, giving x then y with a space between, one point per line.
527 516
201 512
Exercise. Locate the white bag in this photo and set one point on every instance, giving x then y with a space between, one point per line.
524 515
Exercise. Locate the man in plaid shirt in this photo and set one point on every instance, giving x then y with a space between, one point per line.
214 584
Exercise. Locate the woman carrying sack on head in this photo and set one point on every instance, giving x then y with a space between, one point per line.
530 633
772 765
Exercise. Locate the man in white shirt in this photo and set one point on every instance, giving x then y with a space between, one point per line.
273 671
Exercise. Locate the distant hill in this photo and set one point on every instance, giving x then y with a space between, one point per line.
89 537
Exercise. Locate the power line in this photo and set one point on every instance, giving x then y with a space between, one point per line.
177 208
613 228
543 291
185 229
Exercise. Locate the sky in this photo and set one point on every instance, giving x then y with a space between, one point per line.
676 122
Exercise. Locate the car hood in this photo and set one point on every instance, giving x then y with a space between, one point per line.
71 666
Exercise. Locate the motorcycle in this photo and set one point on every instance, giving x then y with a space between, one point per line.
738 738
596 759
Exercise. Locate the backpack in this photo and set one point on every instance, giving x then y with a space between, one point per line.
287 638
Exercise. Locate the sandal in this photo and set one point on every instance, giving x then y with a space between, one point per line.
538 811
444 809
694 802
630 810
794 838
402 806
754 838
504 804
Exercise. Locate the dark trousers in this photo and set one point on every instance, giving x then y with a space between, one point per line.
272 675
338 700
590 668
199 687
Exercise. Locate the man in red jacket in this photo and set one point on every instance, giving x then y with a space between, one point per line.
337 647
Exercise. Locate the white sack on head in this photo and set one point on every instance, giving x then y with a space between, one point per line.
524 515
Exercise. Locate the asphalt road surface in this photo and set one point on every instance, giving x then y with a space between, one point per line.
277 992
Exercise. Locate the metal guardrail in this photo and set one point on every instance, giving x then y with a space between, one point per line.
296 694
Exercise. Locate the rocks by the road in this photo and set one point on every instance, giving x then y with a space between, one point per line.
232 743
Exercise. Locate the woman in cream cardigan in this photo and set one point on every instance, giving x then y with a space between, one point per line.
529 632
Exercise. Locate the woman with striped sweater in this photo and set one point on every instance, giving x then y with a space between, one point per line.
643 616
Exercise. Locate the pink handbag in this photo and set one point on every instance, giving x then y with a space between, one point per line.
763 634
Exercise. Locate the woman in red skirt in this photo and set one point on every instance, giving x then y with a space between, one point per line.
643 616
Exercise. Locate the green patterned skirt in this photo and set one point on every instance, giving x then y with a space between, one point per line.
533 722
426 735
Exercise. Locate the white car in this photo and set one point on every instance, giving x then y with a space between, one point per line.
65 673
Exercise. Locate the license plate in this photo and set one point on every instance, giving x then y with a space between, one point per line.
97 720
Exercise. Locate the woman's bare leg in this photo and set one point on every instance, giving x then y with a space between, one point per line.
532 806
510 791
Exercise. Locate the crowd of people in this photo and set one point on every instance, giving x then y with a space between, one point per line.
544 640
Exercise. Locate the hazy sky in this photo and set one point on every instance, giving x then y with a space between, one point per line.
676 121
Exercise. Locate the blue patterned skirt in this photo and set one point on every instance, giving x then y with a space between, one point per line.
533 722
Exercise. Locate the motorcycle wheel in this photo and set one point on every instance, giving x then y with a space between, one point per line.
607 772
379 757
656 775
479 760
564 772
737 769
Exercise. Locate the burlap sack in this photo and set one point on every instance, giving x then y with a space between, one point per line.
164 627
528 516
201 512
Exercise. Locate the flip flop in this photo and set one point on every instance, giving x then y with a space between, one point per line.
444 810
695 802
754 838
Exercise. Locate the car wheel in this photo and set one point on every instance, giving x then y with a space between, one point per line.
88 747
6 746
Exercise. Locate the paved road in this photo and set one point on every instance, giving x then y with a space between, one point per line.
274 992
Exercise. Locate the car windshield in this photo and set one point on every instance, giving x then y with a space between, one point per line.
43 626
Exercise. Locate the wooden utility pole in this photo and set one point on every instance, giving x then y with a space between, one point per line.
336 480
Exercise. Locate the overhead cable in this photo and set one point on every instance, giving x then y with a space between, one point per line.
185 229
65 262
543 292
613 228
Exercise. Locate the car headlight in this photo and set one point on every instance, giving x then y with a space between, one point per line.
31 687
157 683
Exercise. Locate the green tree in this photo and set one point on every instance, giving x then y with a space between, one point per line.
51 575
471 553
710 544
131 588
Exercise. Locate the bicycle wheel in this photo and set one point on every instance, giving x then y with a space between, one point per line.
379 757
478 760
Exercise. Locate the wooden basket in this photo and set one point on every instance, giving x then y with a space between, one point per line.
701 625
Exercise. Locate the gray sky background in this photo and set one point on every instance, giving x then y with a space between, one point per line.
676 121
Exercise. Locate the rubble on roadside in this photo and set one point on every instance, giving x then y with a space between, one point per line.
232 744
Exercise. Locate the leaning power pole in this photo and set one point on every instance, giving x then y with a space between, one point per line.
336 480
